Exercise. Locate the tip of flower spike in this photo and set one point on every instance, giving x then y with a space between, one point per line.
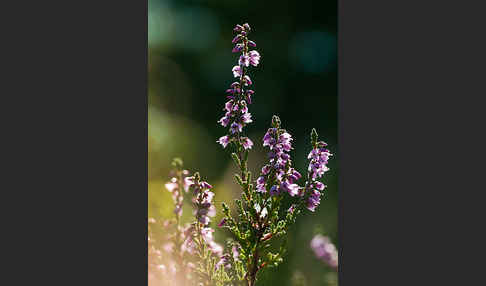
314 137
275 121
177 162
238 28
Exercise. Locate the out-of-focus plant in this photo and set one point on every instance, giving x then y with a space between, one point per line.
187 254
325 250
264 214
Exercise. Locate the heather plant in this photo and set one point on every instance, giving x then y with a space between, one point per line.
263 215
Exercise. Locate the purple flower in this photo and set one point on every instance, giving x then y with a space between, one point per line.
260 185
274 190
238 28
245 60
224 261
222 222
292 189
246 118
319 186
260 180
236 127
291 209
247 143
237 48
224 121
266 169
236 38
172 185
294 175
236 253
244 109
247 80
215 248
325 250
205 185
207 234
248 94
236 71
204 219
224 141
229 106
314 200
268 139
188 183
251 44
254 58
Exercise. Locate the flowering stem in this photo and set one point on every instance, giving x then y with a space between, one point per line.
176 186
242 76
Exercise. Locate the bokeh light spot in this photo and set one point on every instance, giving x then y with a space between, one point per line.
313 52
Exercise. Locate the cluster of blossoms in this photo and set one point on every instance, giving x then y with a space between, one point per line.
239 93
319 157
278 175
325 250
202 199
203 209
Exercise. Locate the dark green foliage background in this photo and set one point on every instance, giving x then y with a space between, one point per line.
190 63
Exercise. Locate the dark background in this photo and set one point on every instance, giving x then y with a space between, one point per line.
190 63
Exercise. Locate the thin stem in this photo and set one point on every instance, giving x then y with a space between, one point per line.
178 243
254 266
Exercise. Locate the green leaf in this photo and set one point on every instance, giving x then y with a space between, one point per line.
239 180
314 137
236 159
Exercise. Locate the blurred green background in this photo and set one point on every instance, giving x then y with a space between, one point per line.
190 63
